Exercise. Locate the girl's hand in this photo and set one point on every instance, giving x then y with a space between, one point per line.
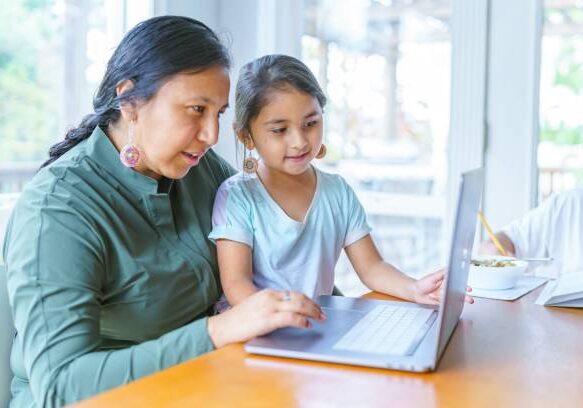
262 313
427 290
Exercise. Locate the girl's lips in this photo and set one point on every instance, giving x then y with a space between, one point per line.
299 158
192 159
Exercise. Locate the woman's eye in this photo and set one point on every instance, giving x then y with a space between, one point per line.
197 108
279 130
311 123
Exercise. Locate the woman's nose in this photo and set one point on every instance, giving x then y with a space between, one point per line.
209 131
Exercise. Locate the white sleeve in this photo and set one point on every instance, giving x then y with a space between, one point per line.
232 215
531 232
357 225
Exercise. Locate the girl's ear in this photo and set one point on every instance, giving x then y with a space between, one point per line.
245 138
128 109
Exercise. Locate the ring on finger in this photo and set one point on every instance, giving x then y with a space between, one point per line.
286 296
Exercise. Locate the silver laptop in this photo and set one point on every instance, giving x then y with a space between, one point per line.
397 335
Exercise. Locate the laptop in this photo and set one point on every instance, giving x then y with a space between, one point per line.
396 335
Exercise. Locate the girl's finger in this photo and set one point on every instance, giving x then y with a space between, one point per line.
431 300
438 280
436 276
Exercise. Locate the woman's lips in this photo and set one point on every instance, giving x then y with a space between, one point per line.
191 158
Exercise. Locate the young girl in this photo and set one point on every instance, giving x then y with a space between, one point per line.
282 223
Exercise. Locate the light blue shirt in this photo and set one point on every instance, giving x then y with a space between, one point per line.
288 254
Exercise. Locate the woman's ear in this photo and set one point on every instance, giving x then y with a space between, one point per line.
127 108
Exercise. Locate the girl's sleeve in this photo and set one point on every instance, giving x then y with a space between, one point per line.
357 226
232 215
56 276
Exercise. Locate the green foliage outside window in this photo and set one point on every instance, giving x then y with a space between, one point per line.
30 70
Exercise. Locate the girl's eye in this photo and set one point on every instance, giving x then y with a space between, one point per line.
311 123
279 130
197 108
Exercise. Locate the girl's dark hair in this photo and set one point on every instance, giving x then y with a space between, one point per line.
149 53
260 77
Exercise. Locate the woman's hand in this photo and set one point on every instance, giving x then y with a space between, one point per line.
262 313
427 290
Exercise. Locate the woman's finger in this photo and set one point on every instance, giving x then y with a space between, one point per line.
300 304
290 319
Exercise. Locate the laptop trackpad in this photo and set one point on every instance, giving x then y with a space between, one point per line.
321 334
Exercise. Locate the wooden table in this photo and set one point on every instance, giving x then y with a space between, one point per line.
503 354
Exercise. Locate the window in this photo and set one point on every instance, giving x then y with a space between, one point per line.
52 57
560 149
385 67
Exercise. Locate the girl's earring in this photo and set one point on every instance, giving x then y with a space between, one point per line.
130 154
321 152
250 165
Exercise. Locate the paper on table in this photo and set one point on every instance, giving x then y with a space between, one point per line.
566 291
524 285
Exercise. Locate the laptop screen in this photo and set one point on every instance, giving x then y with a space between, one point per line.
462 241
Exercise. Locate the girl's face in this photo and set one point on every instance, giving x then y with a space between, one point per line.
287 133
175 128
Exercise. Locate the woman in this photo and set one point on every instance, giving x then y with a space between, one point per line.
554 230
110 274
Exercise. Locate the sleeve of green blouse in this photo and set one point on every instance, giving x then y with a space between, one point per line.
54 278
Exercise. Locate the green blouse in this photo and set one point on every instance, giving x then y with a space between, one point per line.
110 273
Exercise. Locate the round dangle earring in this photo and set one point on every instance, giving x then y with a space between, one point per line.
322 152
250 165
130 154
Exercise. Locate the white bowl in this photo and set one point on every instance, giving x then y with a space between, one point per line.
495 277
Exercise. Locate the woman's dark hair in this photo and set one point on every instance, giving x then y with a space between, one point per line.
148 54
260 77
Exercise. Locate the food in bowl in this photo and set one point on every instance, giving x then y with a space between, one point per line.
498 263
495 272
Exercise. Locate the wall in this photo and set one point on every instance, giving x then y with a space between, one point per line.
512 109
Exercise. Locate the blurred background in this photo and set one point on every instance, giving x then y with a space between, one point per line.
418 90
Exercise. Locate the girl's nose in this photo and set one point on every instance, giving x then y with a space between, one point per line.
299 140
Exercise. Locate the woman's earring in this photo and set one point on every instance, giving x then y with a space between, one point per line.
321 152
130 154
250 165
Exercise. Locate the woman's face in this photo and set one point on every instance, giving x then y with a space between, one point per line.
175 128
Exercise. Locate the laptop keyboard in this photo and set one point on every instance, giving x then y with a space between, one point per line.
388 330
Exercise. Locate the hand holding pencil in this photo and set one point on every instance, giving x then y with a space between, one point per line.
491 234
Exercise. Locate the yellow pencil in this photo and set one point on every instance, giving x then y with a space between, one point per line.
493 237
